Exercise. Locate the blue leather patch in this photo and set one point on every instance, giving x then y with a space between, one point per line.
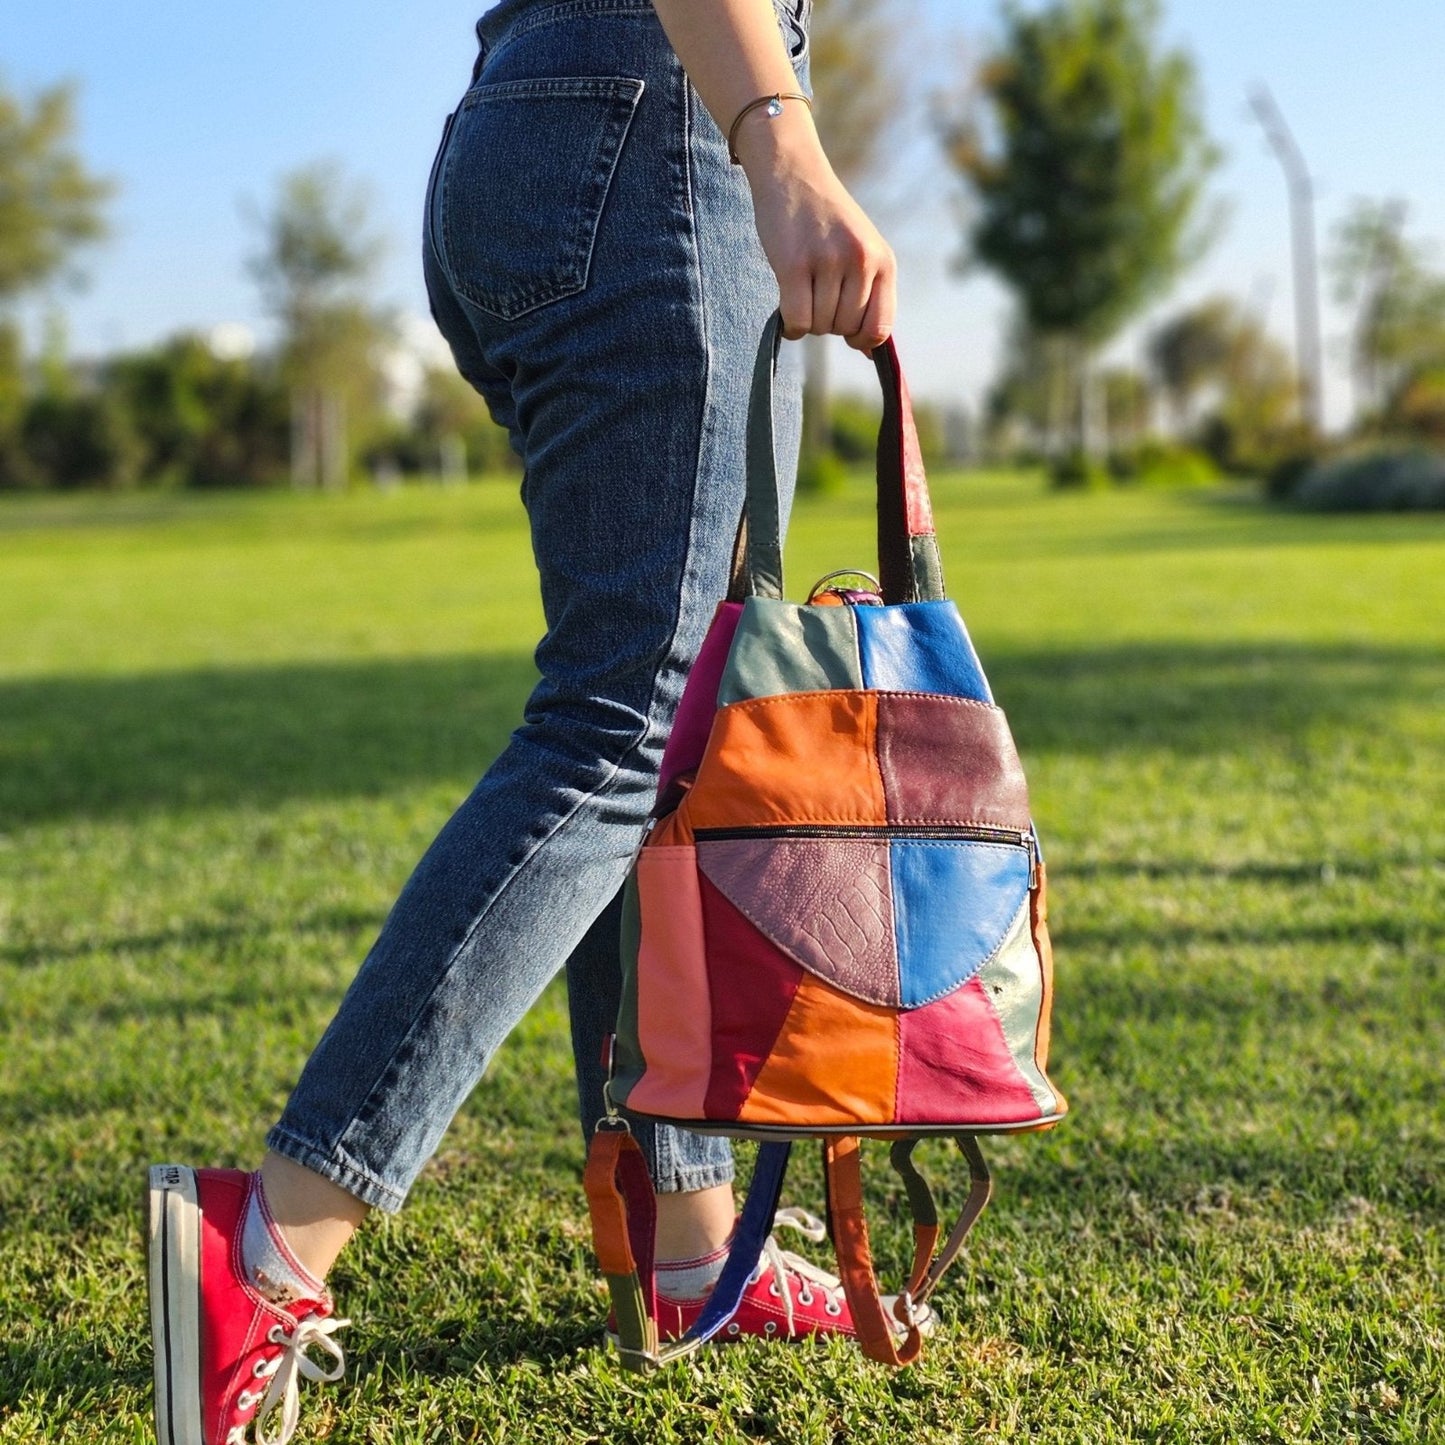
952 907
919 647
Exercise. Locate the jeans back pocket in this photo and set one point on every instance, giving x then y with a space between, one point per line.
523 184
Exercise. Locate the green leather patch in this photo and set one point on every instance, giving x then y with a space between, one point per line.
1014 985
927 567
783 647
628 1063
636 1331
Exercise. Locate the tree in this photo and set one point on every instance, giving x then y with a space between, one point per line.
316 256
1231 386
1087 158
1192 350
452 425
1128 403
858 73
49 203
1031 395
50 207
1399 303
204 420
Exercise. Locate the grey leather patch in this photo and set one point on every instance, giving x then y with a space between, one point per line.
784 647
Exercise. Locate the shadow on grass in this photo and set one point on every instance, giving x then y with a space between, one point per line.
104 747
238 737
198 935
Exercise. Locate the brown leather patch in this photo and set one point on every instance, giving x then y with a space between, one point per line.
949 760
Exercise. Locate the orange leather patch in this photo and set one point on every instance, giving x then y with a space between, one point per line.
855 1258
1040 921
835 1062
796 758
609 1217
672 832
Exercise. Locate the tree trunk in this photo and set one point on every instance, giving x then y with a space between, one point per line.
331 457
453 460
1056 356
1093 437
303 439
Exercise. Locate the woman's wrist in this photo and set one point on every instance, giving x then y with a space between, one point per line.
767 144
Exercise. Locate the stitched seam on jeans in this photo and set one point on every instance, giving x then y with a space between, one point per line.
355 1171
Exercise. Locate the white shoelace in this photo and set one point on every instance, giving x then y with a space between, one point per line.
285 1372
785 1264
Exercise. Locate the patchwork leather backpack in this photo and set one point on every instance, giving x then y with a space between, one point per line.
836 926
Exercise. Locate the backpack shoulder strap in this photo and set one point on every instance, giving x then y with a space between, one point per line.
623 1207
876 1331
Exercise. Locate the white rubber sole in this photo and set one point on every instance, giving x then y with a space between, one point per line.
175 1300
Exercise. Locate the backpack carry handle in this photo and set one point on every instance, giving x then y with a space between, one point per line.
908 560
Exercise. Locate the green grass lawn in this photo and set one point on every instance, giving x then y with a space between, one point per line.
228 727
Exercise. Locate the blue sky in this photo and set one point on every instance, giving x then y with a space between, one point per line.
196 108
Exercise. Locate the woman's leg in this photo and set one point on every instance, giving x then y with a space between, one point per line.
592 260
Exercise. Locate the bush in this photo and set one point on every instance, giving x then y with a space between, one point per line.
1160 463
1396 480
1282 478
1419 409
853 428
80 441
823 475
204 420
1075 472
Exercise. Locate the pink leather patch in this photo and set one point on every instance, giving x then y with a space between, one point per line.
688 740
828 904
674 1009
752 985
955 1067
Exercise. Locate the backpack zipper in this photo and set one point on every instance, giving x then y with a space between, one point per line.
1013 837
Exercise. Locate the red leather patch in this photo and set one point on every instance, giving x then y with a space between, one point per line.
954 1064
751 984
918 510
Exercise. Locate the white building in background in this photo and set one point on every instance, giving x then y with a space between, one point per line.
231 341
416 347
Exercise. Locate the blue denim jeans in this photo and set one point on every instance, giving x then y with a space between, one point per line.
591 258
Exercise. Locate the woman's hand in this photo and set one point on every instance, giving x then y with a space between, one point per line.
836 274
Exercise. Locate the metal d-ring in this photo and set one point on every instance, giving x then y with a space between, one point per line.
822 582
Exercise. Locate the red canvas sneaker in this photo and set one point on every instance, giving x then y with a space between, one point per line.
226 1358
787 1297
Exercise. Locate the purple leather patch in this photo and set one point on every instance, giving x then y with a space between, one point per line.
949 760
688 739
827 904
